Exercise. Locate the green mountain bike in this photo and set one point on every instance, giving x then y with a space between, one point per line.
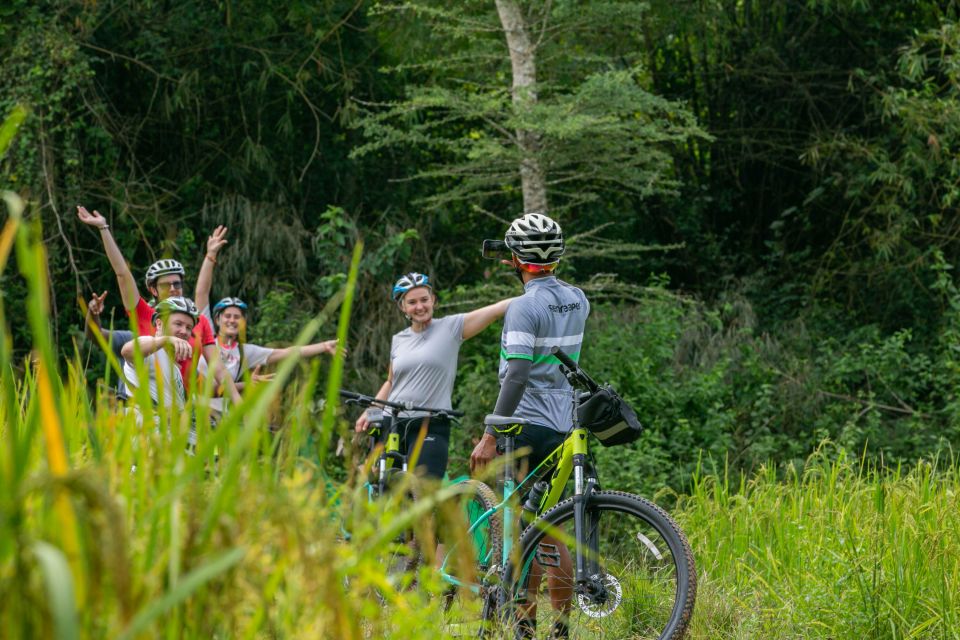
597 564
390 469
391 479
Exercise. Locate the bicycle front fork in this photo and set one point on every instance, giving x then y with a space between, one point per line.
587 579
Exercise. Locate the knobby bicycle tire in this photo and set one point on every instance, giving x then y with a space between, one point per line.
643 562
475 558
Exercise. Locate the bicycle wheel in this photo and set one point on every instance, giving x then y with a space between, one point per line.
473 547
401 556
642 581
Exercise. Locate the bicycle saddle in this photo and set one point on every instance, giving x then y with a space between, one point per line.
505 424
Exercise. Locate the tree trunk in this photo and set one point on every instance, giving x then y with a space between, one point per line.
524 90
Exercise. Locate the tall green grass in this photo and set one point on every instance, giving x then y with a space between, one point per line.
840 549
109 529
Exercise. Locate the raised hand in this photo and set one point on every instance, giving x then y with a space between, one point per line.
93 219
216 241
95 306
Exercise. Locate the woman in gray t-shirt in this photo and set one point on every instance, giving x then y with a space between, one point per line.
423 366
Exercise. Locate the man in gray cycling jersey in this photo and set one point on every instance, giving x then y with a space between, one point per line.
549 313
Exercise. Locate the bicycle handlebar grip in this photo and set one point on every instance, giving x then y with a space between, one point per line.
564 358
352 395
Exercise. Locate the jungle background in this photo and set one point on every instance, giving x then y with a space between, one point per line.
760 198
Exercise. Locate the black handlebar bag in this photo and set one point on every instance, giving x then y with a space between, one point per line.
608 416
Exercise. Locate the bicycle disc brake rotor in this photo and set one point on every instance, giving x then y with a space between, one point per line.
612 602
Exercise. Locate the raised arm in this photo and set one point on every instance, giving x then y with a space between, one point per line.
128 286
308 351
215 242
479 319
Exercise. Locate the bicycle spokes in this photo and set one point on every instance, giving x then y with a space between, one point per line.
639 581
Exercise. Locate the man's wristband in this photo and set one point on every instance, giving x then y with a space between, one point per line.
213 260
103 227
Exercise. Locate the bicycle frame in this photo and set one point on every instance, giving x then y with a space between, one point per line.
569 458
390 453
391 457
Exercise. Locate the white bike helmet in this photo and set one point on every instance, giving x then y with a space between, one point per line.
535 239
176 304
409 281
163 267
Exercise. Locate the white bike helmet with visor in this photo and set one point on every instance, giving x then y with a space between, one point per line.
535 239
163 267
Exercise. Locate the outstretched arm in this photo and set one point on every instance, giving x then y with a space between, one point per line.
128 286
309 351
479 319
205 280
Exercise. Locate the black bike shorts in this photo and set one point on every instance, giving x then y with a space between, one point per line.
436 444
540 441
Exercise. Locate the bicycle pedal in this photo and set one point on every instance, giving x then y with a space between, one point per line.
548 555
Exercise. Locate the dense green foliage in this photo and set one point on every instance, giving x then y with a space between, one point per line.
759 197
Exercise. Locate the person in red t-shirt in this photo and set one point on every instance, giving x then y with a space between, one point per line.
164 279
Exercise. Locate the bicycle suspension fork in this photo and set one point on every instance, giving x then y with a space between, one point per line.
585 528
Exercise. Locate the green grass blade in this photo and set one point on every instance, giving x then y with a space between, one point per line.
58 581
336 368
183 589
9 127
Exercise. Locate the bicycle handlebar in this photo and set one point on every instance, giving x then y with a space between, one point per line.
564 358
353 397
576 374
